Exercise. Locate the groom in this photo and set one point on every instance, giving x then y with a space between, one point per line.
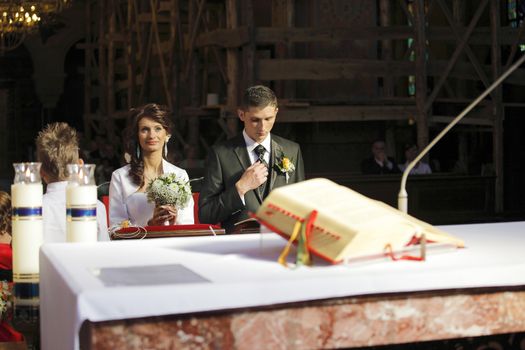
240 172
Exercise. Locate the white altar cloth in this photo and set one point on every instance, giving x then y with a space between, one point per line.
243 272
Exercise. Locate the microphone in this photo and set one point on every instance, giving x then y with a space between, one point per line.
402 198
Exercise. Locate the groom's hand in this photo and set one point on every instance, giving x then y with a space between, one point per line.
252 178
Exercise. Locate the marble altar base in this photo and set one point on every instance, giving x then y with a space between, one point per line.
335 323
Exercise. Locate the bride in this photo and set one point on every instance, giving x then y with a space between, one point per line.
147 135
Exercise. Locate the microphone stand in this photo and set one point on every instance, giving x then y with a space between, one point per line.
402 198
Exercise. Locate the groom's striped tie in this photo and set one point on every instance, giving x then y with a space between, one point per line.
259 151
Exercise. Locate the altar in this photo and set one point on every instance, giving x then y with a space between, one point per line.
229 292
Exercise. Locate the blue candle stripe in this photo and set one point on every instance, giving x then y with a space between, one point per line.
81 212
26 211
26 290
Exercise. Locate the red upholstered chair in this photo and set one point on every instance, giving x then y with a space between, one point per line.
105 200
196 207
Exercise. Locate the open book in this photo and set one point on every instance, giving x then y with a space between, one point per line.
348 225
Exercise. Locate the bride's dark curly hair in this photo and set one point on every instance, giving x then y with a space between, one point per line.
155 112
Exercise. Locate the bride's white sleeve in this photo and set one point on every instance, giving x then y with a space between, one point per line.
185 216
117 206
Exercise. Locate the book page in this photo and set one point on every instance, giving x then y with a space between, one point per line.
348 223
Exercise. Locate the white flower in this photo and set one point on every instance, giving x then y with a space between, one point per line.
169 189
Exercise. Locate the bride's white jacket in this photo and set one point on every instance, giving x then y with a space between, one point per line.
122 207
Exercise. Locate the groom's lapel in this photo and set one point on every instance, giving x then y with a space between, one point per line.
277 151
240 151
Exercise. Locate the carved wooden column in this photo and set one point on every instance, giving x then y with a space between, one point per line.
248 50
497 101
232 71
88 52
458 11
192 136
421 73
386 47
283 15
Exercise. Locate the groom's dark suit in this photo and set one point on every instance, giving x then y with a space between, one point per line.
219 200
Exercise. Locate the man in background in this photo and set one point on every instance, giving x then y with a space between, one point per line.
379 162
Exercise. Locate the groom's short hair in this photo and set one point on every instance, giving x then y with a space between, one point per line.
258 96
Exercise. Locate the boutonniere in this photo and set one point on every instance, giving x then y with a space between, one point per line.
285 166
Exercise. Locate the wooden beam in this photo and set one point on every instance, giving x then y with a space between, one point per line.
164 74
192 72
323 69
145 63
225 38
137 29
149 18
497 99
248 50
327 69
461 71
465 121
194 29
283 16
386 46
404 7
515 45
216 53
344 113
420 48
102 59
173 61
462 45
233 68
111 53
87 73
230 38
129 57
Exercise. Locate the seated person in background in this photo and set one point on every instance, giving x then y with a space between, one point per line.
7 333
56 147
6 254
421 168
147 134
379 162
237 174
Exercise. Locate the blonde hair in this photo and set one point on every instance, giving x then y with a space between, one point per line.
5 212
57 146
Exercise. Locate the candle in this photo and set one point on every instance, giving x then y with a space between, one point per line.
81 204
27 227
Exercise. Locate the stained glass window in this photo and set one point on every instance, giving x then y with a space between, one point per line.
515 14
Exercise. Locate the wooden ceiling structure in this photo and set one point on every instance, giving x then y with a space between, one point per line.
176 51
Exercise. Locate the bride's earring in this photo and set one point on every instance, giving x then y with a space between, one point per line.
138 152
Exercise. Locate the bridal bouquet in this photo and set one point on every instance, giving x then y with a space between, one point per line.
169 189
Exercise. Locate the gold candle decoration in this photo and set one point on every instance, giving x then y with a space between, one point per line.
27 226
81 203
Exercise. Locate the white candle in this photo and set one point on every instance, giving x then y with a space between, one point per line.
81 204
26 201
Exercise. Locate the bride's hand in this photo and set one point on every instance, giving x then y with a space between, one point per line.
163 213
